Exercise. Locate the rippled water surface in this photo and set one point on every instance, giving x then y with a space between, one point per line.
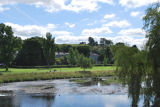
63 93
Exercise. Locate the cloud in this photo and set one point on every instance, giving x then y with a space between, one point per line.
70 25
57 5
71 39
136 3
109 16
120 24
2 9
137 32
134 13
96 31
64 37
27 31
61 33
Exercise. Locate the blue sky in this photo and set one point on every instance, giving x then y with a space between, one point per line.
73 21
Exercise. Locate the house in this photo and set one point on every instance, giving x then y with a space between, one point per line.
60 54
94 56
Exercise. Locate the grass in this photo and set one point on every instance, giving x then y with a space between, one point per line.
79 80
38 70
15 77
112 80
19 74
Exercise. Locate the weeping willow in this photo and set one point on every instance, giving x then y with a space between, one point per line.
136 67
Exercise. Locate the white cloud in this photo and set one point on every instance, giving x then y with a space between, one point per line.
120 24
136 3
27 31
51 26
96 31
71 39
2 9
134 14
93 23
70 25
126 36
138 32
56 5
109 16
61 33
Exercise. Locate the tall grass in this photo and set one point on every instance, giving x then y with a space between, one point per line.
15 77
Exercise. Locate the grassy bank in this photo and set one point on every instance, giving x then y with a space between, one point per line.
15 77
38 70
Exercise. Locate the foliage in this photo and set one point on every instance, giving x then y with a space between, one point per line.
92 42
85 50
73 57
105 60
61 61
105 42
49 49
152 26
31 53
85 62
129 59
9 45
63 47
106 52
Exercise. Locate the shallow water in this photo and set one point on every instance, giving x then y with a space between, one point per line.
62 93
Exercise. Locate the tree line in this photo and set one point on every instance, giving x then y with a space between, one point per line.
40 51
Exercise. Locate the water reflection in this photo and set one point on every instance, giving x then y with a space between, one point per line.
6 102
49 99
65 101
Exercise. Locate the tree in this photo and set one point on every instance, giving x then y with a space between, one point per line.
92 42
105 60
152 26
85 62
82 43
105 42
9 45
85 50
49 49
72 58
106 52
31 53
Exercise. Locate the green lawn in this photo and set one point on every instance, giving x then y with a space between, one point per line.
20 70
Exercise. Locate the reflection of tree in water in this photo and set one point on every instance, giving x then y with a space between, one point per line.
134 86
6 101
48 98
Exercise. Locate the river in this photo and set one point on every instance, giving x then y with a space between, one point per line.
63 93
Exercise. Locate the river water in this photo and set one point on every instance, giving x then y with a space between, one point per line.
63 93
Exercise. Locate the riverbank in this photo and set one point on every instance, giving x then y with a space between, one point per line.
16 77
71 69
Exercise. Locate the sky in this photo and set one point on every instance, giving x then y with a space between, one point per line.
73 21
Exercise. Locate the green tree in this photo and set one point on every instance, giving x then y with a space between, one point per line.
85 62
92 42
105 42
85 50
31 53
152 27
49 49
73 56
9 45
105 60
